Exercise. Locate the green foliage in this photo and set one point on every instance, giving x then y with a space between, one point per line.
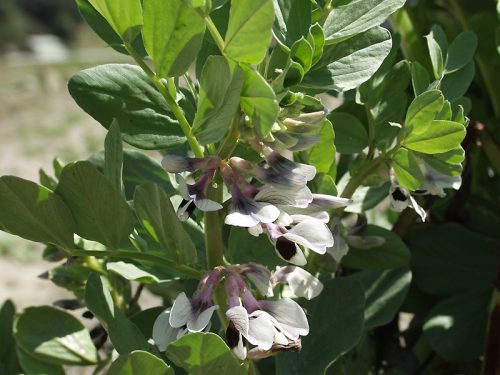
139 363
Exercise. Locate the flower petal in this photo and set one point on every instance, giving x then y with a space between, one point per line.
207 205
289 315
298 197
313 234
261 330
235 341
163 332
240 219
261 277
238 315
183 187
301 282
181 311
199 323
289 251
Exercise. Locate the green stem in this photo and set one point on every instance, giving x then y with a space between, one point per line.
176 109
186 270
229 143
371 134
215 33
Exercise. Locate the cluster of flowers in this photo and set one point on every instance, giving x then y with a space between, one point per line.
269 325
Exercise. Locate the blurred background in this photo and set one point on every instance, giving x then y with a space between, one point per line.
42 44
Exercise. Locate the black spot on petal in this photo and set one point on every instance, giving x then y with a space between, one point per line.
286 248
232 336
398 195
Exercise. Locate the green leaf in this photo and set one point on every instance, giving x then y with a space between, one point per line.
138 168
448 163
357 16
293 18
351 136
124 16
102 28
204 353
435 137
113 157
100 211
156 214
52 335
34 212
132 272
124 335
419 78
392 254
456 84
220 87
71 277
33 366
461 51
423 109
249 30
438 47
456 327
317 39
302 52
407 169
245 248
385 292
258 101
124 93
335 326
139 363
449 259
348 64
322 154
173 33
9 363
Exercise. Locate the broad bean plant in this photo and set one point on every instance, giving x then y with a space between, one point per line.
297 141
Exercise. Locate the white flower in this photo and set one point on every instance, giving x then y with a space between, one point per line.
177 164
164 333
194 196
400 198
435 181
300 282
194 316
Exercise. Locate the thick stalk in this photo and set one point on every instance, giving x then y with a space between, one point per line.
214 246
176 109
215 33
186 270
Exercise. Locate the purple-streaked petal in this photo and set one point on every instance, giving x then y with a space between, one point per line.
177 164
183 187
324 201
181 311
239 316
297 197
248 213
289 167
207 205
199 323
261 277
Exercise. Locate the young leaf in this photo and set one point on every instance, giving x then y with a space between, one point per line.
385 292
173 33
392 254
338 313
293 18
423 109
348 64
124 16
139 363
322 154
435 136
132 272
317 39
204 353
258 101
158 217
124 335
249 30
124 93
55 336
357 16
113 157
438 48
100 211
302 52
455 85
351 136
34 212
220 87
419 78
407 169
461 51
